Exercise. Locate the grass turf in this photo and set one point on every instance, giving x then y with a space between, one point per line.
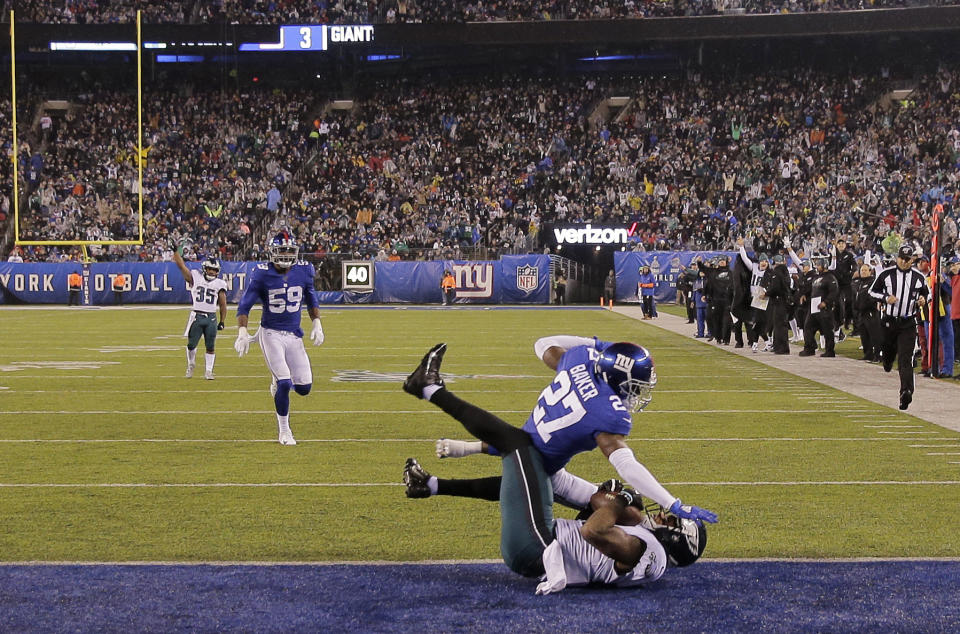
108 454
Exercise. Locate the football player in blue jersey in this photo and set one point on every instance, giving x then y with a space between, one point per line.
589 404
282 287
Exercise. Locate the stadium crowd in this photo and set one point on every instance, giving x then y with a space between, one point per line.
415 11
437 165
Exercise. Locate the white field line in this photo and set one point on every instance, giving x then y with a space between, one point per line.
423 440
920 433
877 415
893 426
354 391
447 562
944 453
337 485
932 446
101 412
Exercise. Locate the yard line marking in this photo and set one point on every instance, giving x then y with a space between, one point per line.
337 485
943 453
878 415
100 412
423 440
893 426
935 433
353 391
932 446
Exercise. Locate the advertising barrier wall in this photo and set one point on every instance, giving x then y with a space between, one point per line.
665 266
511 280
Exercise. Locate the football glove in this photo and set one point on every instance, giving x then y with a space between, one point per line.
316 335
242 344
220 326
612 485
695 513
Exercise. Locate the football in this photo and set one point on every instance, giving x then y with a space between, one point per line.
630 516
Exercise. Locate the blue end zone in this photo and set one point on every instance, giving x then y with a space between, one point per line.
902 596
328 308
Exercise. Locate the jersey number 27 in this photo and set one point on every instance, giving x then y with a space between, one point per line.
560 391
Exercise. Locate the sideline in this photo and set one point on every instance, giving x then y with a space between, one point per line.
931 400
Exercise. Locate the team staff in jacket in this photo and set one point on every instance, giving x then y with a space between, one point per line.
823 302
867 310
718 292
843 264
901 289
645 288
776 288
74 284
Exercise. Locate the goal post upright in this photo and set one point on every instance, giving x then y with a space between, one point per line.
13 107
141 158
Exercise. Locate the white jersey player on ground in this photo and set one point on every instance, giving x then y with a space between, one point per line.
283 286
209 294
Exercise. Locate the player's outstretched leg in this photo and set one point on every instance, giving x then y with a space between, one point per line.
420 484
426 382
426 379
281 401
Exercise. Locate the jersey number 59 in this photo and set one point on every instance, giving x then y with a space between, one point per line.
563 393
284 299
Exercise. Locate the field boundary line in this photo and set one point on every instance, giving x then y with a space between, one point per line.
336 485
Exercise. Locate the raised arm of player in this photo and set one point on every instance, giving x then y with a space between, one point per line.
639 477
551 349
178 260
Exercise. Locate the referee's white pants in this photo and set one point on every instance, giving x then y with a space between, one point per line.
285 356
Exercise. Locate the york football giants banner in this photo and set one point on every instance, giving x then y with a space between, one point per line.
511 280
666 267
144 282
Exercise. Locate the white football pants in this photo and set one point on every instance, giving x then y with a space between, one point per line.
285 356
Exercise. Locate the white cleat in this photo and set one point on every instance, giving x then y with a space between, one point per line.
190 367
208 375
286 438
754 346
273 386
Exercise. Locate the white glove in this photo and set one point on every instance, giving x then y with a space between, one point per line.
316 335
242 344
786 242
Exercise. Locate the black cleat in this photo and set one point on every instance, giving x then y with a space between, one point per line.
427 373
906 397
416 479
806 353
828 353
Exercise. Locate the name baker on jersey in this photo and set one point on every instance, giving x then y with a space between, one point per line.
583 382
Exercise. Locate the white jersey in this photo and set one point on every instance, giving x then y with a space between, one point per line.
584 564
205 293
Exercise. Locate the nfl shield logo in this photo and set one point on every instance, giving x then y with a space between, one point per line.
527 278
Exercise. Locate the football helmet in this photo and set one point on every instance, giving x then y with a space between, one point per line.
684 540
628 369
283 250
211 269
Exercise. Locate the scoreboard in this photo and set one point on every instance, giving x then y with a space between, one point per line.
312 37
358 276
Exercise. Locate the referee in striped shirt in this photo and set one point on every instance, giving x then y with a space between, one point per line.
901 289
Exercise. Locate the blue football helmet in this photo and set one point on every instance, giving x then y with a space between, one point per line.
628 369
211 269
283 250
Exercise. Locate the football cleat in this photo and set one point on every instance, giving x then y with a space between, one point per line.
906 397
286 438
283 250
190 367
416 479
208 375
427 373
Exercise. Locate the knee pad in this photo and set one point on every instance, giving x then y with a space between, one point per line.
284 385
302 390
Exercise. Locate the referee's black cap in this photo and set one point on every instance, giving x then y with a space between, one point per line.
906 252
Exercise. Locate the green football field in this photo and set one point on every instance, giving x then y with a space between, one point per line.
107 453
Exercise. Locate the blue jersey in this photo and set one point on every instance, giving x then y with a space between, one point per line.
573 409
282 295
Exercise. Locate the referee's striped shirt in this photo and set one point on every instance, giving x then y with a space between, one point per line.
907 286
